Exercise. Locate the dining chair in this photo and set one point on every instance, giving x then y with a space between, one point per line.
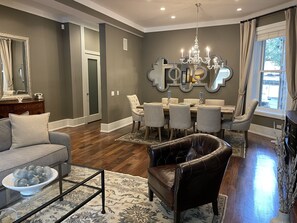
241 123
191 101
153 118
171 101
180 119
220 102
137 114
209 119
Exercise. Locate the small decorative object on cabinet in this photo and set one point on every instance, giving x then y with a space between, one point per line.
32 106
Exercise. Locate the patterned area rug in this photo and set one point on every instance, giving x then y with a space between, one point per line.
126 202
235 139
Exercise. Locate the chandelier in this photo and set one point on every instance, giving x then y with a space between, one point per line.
194 53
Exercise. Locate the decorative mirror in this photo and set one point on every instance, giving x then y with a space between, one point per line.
14 67
185 76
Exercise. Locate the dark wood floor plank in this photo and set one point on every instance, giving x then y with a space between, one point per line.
250 183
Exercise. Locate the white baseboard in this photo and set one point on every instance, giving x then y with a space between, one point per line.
66 123
265 131
116 125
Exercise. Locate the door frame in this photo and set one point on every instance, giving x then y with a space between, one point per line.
94 56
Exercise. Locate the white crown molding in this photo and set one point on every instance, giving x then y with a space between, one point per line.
192 25
109 13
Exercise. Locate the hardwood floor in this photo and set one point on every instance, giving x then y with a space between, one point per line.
250 183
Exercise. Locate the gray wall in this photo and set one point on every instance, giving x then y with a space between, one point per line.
120 71
46 55
91 40
223 41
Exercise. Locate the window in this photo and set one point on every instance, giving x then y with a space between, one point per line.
273 87
267 81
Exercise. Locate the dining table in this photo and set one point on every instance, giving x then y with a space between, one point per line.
225 109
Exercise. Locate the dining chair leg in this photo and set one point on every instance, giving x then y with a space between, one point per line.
171 134
133 126
246 138
147 130
159 130
138 127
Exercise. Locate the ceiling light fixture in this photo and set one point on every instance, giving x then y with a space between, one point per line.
239 9
173 17
194 53
162 8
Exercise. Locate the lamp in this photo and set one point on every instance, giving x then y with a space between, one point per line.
194 53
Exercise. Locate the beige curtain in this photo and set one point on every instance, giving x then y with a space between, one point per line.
5 55
247 38
291 59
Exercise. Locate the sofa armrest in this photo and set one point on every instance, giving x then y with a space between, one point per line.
61 139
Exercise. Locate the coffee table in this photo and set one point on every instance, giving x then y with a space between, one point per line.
57 192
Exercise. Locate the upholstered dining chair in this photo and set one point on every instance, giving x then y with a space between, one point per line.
191 101
171 101
180 118
187 172
219 102
137 114
241 123
153 118
209 118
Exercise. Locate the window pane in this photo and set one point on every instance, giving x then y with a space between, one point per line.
273 59
273 90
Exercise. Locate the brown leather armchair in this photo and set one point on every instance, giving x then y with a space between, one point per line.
187 172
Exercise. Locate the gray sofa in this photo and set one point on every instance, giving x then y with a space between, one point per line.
47 154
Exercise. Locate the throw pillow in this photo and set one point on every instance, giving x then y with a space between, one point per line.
29 129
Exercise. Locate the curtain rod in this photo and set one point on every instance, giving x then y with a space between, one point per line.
268 14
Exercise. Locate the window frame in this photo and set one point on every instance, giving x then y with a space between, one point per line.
254 83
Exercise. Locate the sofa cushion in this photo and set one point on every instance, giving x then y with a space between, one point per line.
5 136
29 130
43 155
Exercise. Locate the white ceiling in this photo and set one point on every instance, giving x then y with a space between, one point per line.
145 15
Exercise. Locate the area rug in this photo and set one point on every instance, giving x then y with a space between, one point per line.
235 139
126 202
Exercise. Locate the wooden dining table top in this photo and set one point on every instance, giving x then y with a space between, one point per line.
225 109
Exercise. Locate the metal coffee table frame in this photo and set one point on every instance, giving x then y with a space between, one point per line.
100 190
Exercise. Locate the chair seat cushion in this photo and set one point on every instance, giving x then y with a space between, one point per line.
161 179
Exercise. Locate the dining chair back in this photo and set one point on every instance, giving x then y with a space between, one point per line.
191 101
171 101
242 122
153 117
137 114
179 118
219 102
209 119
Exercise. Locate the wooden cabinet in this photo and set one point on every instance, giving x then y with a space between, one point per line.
32 106
291 132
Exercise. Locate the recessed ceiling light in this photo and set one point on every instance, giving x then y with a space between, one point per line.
173 17
239 9
162 8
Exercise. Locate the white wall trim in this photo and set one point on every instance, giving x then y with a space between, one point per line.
115 125
265 131
66 123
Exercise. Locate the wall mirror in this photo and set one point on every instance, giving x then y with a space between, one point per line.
14 67
185 76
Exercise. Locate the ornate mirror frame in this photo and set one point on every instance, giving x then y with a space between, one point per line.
164 75
23 72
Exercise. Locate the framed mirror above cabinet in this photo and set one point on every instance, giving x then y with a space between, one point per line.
186 76
14 67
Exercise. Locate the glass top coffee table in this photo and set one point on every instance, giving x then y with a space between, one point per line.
60 199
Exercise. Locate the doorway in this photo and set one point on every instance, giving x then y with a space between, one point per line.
92 89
